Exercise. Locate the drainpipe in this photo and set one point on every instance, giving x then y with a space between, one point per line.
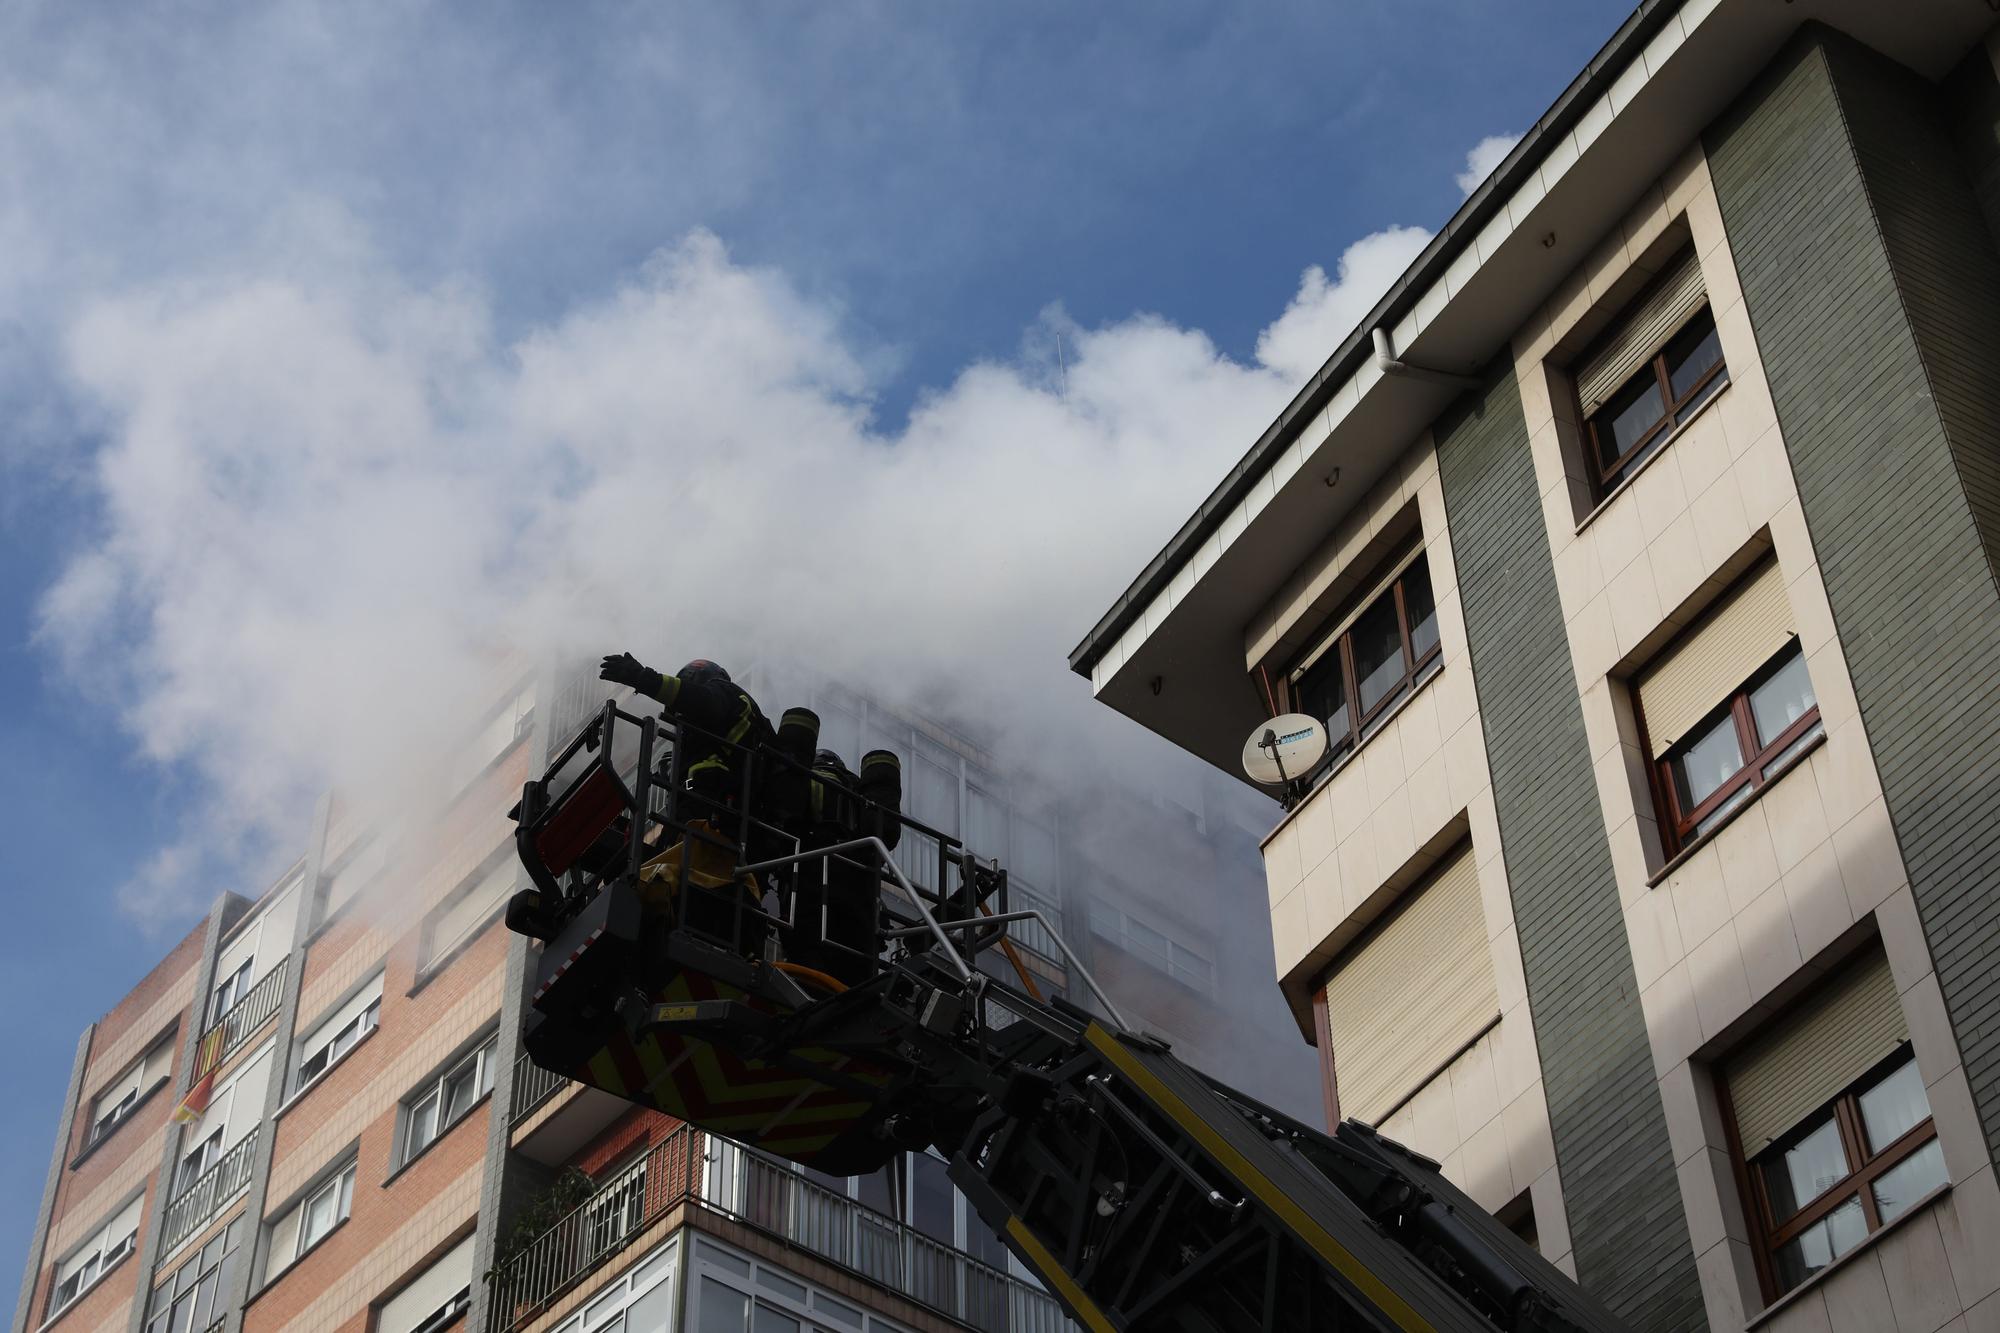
1386 362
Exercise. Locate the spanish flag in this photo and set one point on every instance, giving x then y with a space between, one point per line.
207 1056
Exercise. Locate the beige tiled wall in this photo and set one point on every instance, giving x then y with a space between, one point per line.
1411 793
1745 922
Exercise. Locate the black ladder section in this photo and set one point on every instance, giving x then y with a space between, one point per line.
1149 1198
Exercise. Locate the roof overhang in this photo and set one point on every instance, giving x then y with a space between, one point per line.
1170 652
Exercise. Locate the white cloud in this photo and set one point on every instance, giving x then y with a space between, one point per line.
1324 311
1487 154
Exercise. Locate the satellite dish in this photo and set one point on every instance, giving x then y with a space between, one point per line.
1284 749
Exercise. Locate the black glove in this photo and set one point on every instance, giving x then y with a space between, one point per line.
625 669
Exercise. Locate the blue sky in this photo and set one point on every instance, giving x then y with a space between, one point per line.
514 248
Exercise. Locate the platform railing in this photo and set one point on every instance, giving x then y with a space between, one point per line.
242 1019
701 1171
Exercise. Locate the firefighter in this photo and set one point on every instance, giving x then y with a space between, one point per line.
724 723
726 719
843 807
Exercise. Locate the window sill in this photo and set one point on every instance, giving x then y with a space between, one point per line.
1611 496
299 1094
440 1137
90 1149
1868 1242
1376 728
1689 852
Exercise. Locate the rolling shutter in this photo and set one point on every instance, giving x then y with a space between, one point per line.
325 1030
1675 295
1412 993
1743 632
478 901
407 1310
1812 1054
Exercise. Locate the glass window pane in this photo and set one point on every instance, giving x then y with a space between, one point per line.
1721 812
1035 855
772 1321
1420 606
723 1309
1828 1239
932 1199
1710 758
1784 756
877 1190
423 1122
934 796
1909 1180
1322 693
1801 1173
459 1093
1894 1106
1782 699
1624 420
1691 352
1378 652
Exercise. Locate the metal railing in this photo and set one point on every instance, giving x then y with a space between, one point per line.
248 1014
702 1171
533 1085
190 1210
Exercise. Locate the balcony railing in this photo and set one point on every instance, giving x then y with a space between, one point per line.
714 1174
247 1015
533 1085
191 1209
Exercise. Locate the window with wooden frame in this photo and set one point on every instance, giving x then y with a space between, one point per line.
1726 707
1833 1139
1747 741
1371 657
1646 377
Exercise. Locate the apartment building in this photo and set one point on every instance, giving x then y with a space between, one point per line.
315 1112
1638 553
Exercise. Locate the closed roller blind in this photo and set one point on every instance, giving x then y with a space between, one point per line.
469 908
408 1308
1805 1061
1409 996
1740 635
1678 294
341 1017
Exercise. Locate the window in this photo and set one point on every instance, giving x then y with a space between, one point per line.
198 1159
341 1032
434 1297
1836 1134
1415 990
1650 374
1741 745
119 1098
89 1261
193 1296
1726 707
511 722
355 873
444 1103
618 1207
1155 947
468 908
1377 657
308 1222
230 991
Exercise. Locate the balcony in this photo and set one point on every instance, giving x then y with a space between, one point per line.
241 1020
698 1171
551 1118
207 1194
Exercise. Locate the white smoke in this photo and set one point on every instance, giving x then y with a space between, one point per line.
331 502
